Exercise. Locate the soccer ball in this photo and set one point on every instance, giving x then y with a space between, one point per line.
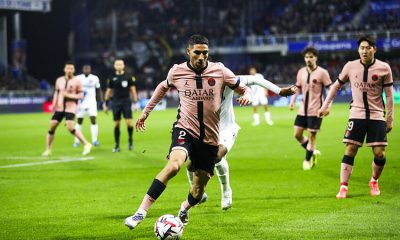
168 227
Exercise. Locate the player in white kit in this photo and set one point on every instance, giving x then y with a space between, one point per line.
259 97
229 130
88 105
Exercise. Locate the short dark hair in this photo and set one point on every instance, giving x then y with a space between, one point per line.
69 63
311 50
197 39
367 38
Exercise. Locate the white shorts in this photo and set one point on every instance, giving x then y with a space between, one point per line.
259 99
91 111
227 137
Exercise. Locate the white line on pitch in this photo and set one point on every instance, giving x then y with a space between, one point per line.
48 162
32 158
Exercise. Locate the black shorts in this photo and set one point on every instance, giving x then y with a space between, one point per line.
123 108
203 156
312 124
358 128
58 116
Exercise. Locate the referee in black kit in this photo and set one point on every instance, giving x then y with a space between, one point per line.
120 86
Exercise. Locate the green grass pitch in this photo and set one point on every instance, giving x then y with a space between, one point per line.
273 198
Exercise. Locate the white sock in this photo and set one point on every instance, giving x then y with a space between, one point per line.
267 116
142 211
94 129
190 177
256 118
223 174
78 128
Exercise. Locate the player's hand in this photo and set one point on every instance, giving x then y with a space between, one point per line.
289 91
389 126
105 108
140 126
291 106
244 100
323 112
135 107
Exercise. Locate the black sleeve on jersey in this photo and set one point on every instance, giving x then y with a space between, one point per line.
110 83
132 81
236 85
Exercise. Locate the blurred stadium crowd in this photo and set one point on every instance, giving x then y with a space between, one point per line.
150 34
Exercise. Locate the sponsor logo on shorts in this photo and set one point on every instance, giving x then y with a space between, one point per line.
347 134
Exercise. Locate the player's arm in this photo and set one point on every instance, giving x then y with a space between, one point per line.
159 93
284 92
99 94
333 90
134 96
107 98
55 97
298 88
74 96
236 85
294 99
388 88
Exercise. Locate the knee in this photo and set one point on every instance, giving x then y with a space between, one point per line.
298 136
173 168
379 155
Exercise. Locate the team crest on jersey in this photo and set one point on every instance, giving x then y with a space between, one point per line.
124 84
314 81
211 82
375 77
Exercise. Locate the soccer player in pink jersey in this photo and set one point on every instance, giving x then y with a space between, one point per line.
368 77
311 80
68 90
200 85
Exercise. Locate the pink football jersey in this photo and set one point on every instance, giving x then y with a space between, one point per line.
73 87
312 86
367 84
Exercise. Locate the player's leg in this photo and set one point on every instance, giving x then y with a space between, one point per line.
94 128
346 168
313 127
222 170
78 127
300 124
203 158
177 158
130 133
54 122
256 116
69 117
200 180
377 167
190 174
267 114
308 162
117 135
376 137
354 138
127 112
